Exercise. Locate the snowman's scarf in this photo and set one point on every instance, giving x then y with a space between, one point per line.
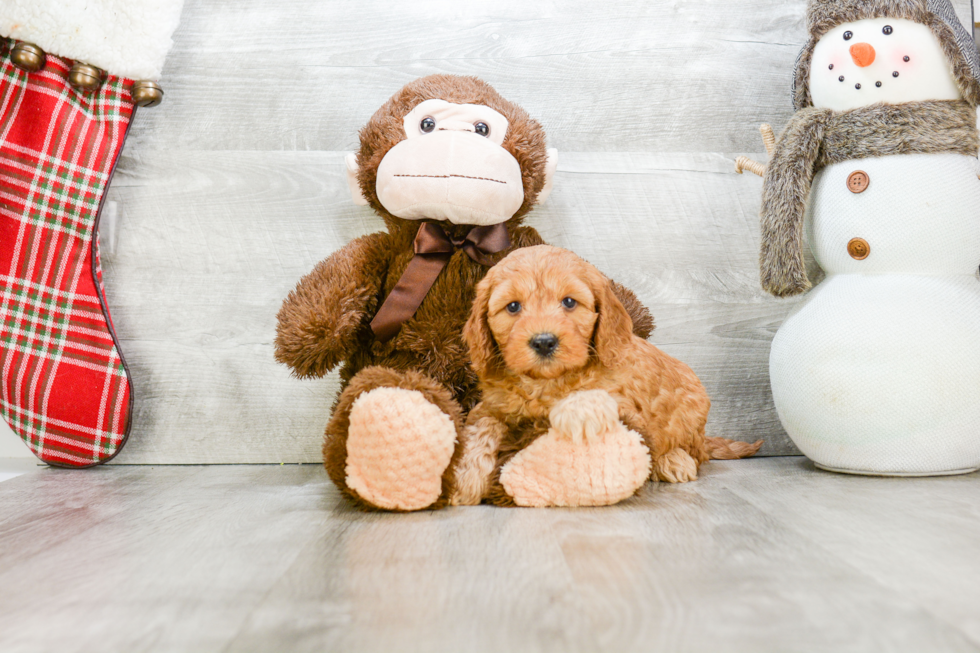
815 138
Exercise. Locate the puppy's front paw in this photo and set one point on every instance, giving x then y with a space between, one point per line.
584 415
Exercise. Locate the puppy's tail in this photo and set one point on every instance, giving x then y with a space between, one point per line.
725 449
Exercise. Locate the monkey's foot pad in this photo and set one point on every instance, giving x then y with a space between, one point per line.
398 447
556 471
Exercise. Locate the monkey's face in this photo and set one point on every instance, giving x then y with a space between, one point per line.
451 166
449 148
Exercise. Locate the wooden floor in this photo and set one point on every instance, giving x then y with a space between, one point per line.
758 555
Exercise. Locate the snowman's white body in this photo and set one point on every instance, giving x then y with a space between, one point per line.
879 371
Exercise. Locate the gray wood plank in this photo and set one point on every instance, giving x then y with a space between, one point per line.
143 558
765 554
211 242
887 528
689 75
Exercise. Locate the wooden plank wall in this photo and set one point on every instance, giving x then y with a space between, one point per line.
233 188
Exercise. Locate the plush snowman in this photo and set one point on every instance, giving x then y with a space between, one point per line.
878 372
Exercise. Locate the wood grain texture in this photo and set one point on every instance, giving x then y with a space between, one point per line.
630 75
757 555
232 189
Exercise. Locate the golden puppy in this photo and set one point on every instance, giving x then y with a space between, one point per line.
575 410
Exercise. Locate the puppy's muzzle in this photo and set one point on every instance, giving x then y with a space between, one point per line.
544 344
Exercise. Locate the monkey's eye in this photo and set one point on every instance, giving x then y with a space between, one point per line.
887 29
514 308
848 36
482 128
569 303
427 124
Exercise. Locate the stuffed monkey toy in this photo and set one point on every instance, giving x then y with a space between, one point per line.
452 168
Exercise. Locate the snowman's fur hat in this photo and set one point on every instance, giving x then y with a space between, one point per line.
937 15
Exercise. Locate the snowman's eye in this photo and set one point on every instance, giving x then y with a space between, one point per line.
848 36
887 29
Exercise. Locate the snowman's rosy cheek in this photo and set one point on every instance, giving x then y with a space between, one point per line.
901 60
836 61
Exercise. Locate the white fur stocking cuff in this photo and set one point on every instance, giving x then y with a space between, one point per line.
129 38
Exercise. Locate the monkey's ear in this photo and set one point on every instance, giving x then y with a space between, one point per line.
355 188
549 174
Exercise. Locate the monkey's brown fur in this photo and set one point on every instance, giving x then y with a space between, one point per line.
325 321
658 396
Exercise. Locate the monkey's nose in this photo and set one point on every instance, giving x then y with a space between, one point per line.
544 343
863 54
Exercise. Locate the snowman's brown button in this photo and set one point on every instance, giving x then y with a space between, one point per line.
858 248
858 181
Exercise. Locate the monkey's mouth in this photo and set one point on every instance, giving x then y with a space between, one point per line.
496 181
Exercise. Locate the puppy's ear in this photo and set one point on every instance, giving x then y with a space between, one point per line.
484 354
614 328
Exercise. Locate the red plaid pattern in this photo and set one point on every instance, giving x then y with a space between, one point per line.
65 389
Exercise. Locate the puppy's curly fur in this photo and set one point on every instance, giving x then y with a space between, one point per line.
547 290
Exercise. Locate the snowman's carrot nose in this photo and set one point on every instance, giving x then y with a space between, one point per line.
863 54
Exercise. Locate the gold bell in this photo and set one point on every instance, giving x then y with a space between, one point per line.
146 93
85 77
28 57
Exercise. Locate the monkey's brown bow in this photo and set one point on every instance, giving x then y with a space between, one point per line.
433 249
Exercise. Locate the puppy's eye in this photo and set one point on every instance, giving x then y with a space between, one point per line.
848 36
513 308
427 124
482 128
569 303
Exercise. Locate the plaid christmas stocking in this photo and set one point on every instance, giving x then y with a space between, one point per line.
65 388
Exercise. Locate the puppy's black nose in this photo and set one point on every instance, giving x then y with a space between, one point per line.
544 343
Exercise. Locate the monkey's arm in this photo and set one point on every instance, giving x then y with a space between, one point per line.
319 320
481 437
526 237
640 314
642 320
